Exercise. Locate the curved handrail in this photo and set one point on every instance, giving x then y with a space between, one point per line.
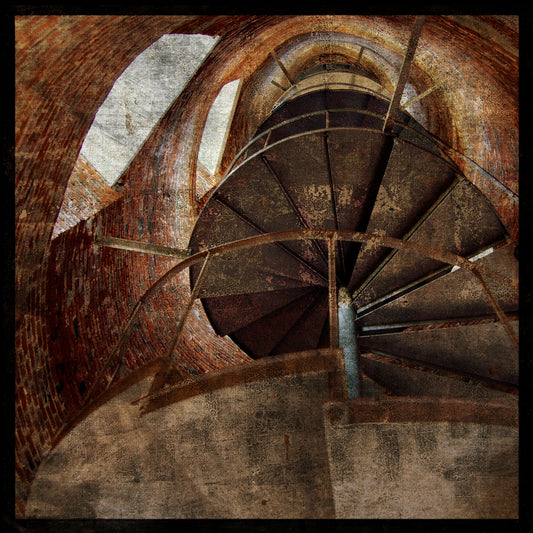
321 234
261 151
288 235
267 133
440 145
314 88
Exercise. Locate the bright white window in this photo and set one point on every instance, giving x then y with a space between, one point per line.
217 127
139 98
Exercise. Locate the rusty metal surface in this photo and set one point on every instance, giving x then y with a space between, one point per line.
369 331
168 361
294 127
332 296
255 270
305 333
462 223
409 377
403 76
458 294
480 349
355 165
356 186
499 279
238 310
261 240
300 162
261 269
411 184
262 336
321 100
254 191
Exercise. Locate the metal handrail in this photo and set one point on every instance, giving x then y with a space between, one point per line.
315 234
439 144
292 93
325 112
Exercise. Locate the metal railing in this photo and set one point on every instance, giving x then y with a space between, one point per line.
424 136
331 237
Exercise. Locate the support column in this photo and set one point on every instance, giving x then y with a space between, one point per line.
348 342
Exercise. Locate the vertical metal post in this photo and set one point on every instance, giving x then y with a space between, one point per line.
496 306
333 313
282 67
404 74
361 51
348 342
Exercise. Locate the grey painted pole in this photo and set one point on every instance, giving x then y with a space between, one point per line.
348 341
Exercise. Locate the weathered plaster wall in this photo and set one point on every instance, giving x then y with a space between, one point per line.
424 470
270 449
251 451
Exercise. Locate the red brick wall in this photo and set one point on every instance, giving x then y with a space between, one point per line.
85 195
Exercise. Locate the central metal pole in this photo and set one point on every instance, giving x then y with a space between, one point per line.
348 342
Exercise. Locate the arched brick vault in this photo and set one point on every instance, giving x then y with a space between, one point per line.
73 298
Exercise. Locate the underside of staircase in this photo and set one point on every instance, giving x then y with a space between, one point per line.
323 160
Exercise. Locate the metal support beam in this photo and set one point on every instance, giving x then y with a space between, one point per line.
409 234
421 282
424 325
332 296
257 228
115 354
273 366
279 86
360 56
392 296
496 306
394 105
444 147
315 234
348 342
282 67
421 96
138 246
330 176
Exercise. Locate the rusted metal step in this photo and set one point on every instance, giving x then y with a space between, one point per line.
482 349
412 183
238 310
462 223
322 161
305 333
455 295
408 377
260 337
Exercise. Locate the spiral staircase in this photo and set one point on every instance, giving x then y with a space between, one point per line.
333 235
322 161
